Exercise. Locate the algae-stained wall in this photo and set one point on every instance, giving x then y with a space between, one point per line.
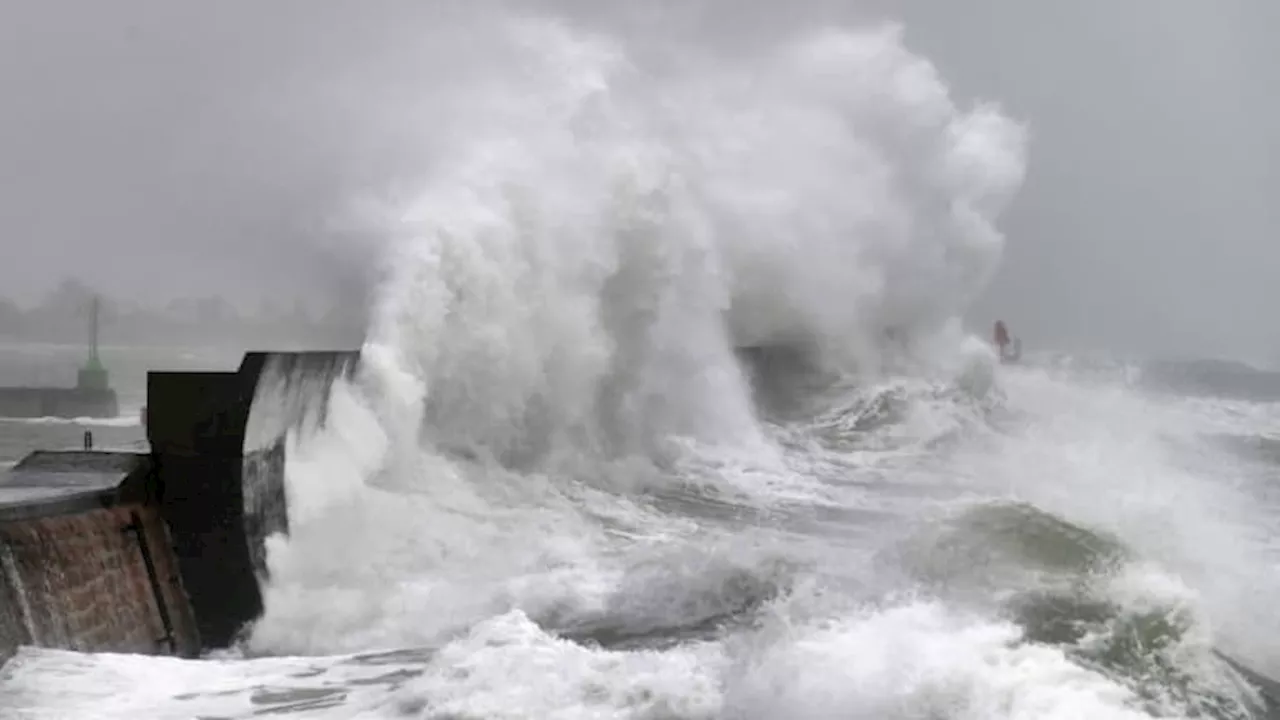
86 561
81 582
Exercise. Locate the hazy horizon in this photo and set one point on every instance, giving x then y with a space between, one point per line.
162 150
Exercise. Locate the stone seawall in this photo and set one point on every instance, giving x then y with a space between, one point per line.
82 582
86 561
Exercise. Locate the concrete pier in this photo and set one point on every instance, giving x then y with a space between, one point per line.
92 396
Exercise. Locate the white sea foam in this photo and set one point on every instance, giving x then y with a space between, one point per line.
551 435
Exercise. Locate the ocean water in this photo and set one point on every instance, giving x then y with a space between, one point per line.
665 411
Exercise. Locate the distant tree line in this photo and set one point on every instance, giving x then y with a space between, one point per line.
62 316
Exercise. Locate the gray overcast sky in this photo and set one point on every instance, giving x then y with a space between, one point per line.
165 147
1148 220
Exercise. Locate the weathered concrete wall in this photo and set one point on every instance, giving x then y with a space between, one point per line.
80 582
218 444
265 504
195 423
292 393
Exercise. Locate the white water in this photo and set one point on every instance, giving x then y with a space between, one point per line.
551 361
563 298
123 420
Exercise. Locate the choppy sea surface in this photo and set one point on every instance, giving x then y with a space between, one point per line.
562 485
1067 544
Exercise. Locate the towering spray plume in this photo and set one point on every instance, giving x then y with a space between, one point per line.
565 291
582 263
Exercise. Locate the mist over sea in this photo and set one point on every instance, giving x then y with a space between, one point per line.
667 409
